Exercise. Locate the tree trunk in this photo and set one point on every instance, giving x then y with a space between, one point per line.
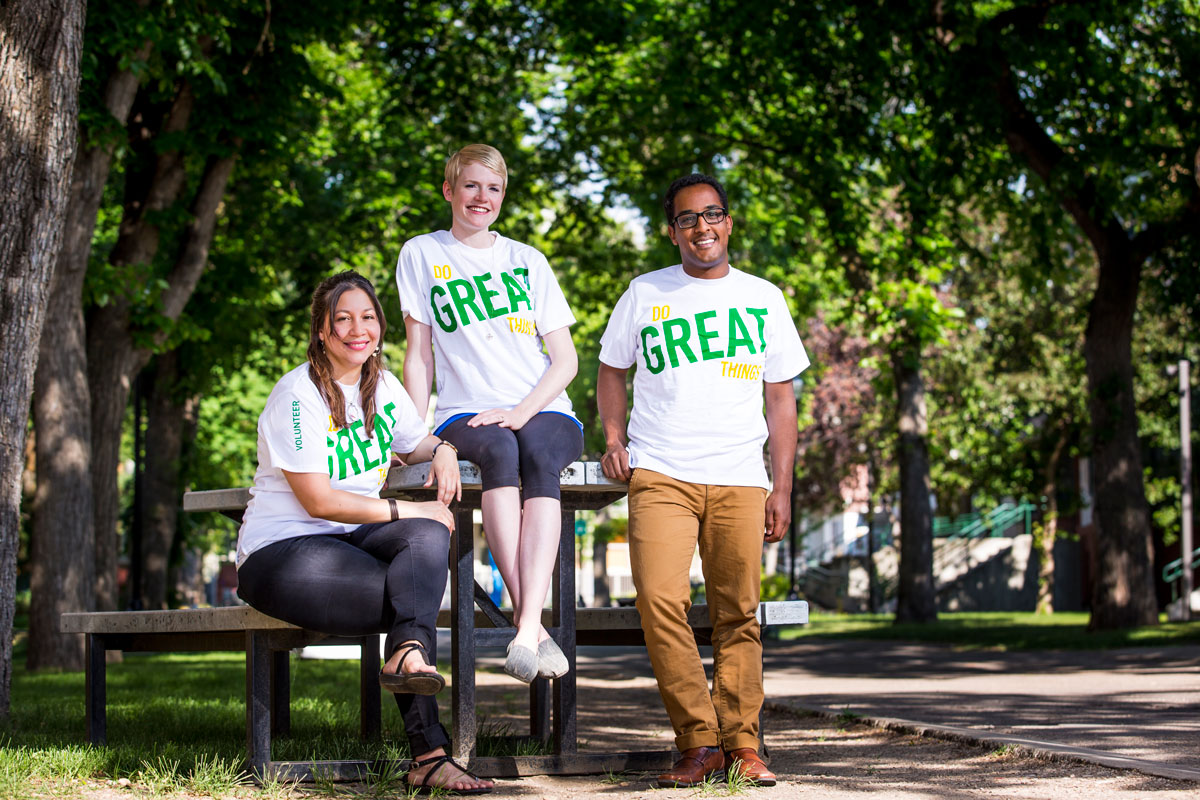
1049 528
1123 587
873 600
601 595
166 420
114 358
62 557
39 106
185 585
915 598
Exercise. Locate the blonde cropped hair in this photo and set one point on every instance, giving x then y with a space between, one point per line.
483 154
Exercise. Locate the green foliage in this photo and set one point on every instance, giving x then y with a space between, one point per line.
862 146
612 530
775 587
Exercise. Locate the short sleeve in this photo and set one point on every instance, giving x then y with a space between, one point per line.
294 426
618 345
786 357
551 310
408 429
409 283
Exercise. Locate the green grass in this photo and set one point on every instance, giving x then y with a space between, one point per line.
997 630
177 725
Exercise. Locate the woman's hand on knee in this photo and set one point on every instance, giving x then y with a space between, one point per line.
504 417
435 510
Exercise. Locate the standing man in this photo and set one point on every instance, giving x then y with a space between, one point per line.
707 340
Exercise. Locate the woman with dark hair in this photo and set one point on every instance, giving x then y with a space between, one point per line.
319 548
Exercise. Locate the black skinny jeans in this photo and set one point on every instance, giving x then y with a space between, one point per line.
387 576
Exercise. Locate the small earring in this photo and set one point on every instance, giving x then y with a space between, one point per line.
378 347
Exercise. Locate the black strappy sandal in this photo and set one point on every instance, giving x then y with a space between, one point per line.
425 787
413 682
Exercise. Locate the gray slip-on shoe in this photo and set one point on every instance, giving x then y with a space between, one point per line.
552 663
522 663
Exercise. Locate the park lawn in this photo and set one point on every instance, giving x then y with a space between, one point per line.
176 723
999 630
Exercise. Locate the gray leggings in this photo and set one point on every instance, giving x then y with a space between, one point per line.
387 576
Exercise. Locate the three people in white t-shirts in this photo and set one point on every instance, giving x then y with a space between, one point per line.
485 318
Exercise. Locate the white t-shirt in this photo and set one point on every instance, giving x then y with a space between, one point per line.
295 433
703 349
488 309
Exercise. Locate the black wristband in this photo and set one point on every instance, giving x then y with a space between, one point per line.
394 507
439 444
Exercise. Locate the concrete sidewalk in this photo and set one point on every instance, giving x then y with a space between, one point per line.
982 715
1133 708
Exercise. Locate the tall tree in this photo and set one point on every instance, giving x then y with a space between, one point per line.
791 106
1095 103
187 133
354 172
40 49
62 562
170 417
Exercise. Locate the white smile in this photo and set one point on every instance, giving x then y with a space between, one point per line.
479 210
705 243
358 345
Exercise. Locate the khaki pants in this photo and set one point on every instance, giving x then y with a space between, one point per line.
667 519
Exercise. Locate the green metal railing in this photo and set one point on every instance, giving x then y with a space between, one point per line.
996 522
1172 570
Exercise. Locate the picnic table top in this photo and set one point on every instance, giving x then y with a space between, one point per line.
579 478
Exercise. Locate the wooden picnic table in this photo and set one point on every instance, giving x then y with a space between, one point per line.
267 641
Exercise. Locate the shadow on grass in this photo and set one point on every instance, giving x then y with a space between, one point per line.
174 715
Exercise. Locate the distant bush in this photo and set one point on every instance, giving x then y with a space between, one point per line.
775 587
613 530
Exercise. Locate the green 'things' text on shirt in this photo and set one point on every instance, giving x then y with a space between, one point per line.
673 341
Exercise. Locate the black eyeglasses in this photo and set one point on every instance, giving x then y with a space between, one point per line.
711 215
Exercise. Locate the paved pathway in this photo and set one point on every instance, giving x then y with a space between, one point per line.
1137 707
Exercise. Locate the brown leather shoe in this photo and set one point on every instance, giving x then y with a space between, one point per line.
746 761
694 765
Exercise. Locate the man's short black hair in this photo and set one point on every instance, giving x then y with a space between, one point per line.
691 180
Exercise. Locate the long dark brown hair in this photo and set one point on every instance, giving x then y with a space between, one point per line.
324 303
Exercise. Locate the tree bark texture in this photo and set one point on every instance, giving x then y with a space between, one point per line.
63 569
915 596
115 357
1049 529
166 421
601 594
1123 593
40 47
